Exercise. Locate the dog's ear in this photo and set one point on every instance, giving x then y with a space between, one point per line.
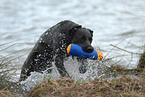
73 30
91 32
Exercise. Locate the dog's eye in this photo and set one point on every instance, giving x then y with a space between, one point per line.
83 38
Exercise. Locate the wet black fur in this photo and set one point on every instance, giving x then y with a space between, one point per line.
52 46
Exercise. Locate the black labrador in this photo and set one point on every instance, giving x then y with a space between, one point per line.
52 45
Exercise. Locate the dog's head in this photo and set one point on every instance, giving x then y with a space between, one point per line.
82 37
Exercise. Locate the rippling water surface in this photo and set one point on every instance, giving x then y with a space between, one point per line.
117 22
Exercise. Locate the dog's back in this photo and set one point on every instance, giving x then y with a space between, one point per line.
57 34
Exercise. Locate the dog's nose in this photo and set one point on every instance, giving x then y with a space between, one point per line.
90 49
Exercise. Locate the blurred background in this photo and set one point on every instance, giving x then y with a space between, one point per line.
118 25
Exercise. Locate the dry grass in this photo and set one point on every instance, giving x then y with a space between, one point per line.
6 93
141 64
123 86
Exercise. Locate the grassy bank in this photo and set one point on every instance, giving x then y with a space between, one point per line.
8 88
122 85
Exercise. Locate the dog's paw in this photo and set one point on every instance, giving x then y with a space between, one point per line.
82 69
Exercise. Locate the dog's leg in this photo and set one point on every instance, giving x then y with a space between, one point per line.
83 66
28 66
38 60
43 61
60 66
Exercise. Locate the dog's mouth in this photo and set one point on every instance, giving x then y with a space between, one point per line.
88 49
